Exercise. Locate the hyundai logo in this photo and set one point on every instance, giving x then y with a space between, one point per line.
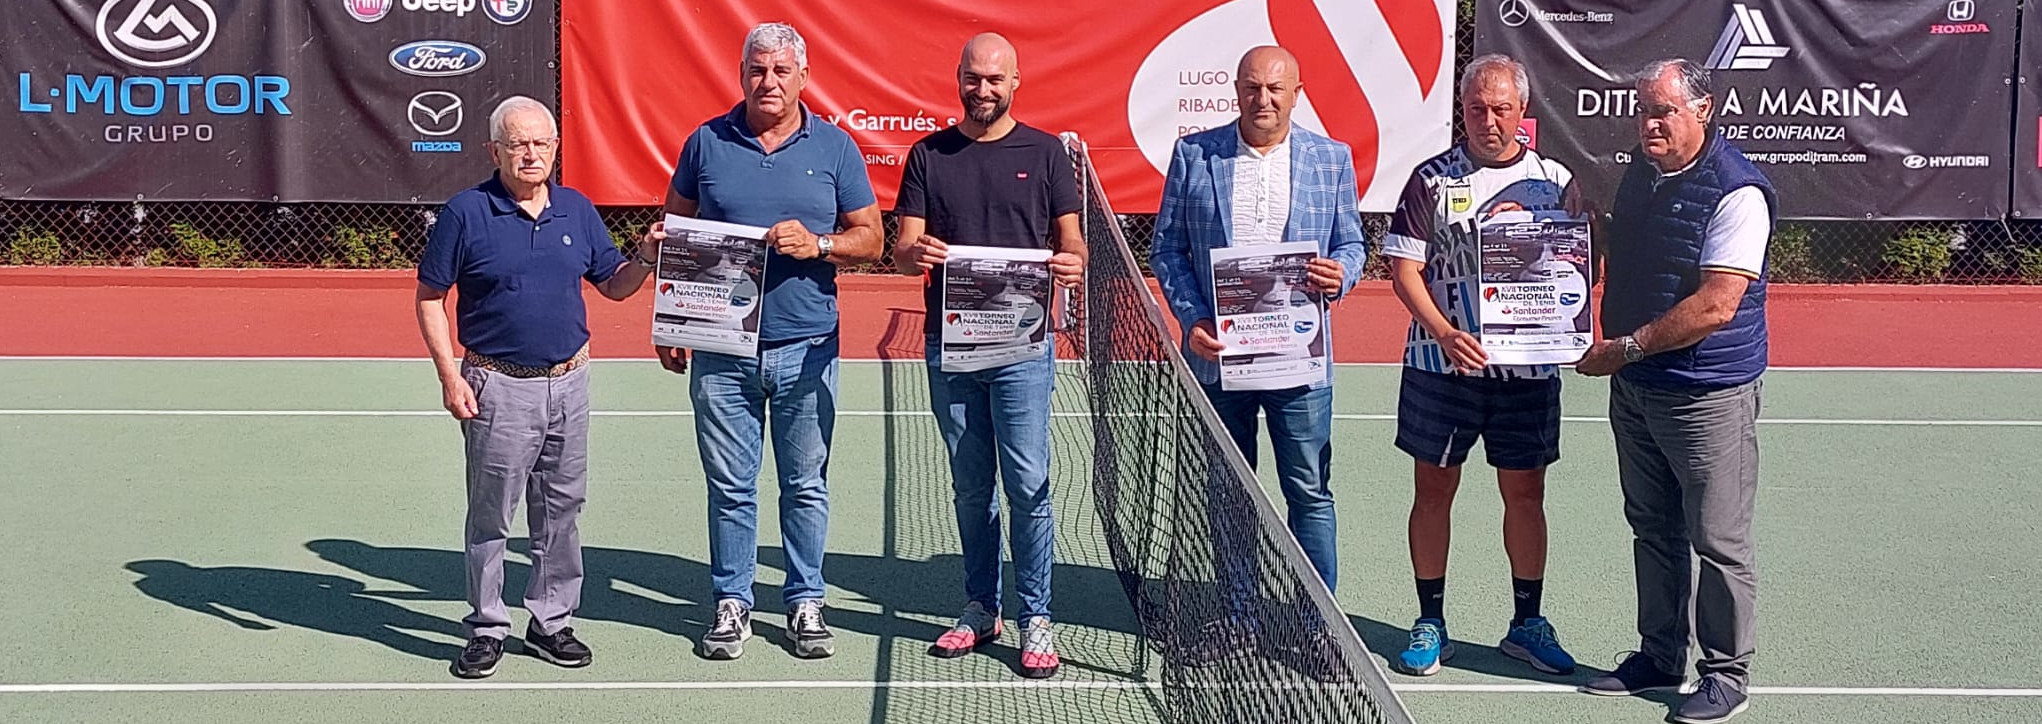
156 33
1914 160
437 58
435 113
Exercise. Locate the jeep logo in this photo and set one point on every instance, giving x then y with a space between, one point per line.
437 58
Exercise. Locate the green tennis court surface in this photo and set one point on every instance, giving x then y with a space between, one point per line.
279 541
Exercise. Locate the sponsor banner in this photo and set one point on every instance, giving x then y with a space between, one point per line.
1269 319
2028 119
1535 305
1855 110
1129 79
995 307
240 100
706 287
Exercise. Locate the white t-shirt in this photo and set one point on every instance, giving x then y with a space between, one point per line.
1436 223
1261 202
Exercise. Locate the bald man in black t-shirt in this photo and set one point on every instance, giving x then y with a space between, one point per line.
991 181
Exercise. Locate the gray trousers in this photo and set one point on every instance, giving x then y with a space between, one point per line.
530 437
1688 462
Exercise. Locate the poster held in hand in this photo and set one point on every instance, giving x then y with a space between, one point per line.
1269 318
1534 298
996 304
709 286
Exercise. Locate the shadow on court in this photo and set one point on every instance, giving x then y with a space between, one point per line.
345 606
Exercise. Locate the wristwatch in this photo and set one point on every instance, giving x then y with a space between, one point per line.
1632 352
642 261
822 246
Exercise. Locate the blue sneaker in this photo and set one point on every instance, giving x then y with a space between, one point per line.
1534 642
1429 646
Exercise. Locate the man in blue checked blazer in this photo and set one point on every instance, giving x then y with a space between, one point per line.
1263 181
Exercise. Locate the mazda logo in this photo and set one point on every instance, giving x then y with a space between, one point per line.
435 113
1514 12
156 33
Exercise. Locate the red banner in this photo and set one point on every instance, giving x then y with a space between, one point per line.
1129 79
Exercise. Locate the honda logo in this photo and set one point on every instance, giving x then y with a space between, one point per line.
1747 42
1962 10
156 33
435 113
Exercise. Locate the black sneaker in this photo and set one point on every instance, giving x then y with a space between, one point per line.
479 658
562 648
1636 675
1212 643
1714 701
812 638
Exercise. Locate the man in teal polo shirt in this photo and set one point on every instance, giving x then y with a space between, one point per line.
771 163
519 247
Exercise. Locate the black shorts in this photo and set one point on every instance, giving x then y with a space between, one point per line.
1439 416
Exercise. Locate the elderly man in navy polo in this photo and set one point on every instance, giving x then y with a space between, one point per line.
1684 310
769 162
518 248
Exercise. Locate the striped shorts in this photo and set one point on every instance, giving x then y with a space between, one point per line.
1439 416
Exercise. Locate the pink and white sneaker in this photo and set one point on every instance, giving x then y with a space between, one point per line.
1038 649
976 628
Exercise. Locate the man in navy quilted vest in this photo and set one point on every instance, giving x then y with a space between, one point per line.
1683 320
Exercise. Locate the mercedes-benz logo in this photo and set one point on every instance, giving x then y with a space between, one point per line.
435 113
1914 160
1514 12
156 33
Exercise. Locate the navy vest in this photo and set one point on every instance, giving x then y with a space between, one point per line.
1653 260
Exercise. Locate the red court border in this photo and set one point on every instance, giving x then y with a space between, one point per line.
96 311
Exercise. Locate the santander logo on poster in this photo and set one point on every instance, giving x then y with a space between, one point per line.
1376 75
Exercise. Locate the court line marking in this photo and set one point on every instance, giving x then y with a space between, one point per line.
176 688
875 360
1370 417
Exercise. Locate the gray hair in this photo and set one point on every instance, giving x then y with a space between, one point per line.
1691 77
1496 63
518 104
773 38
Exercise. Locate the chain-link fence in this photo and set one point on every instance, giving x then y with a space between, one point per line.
384 236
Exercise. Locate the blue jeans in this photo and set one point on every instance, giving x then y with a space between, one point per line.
999 418
1301 436
797 383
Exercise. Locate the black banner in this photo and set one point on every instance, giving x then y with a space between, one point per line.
1854 109
2028 121
262 100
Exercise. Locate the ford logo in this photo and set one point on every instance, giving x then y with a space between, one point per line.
437 58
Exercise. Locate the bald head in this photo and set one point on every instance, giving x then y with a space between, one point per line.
992 51
988 72
1266 84
1269 60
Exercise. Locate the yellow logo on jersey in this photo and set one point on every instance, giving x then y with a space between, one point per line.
1459 198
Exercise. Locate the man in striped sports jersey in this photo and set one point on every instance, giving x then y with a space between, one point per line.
1450 394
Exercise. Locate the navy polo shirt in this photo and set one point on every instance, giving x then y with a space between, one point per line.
519 277
811 177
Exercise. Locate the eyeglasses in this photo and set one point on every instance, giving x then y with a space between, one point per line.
541 145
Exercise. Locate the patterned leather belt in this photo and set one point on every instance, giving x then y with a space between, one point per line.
511 369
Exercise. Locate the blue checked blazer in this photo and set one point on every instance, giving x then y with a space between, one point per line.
1197 216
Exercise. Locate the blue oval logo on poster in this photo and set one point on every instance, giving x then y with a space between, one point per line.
1570 298
437 58
1303 326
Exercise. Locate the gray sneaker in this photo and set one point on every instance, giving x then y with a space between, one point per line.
733 627
812 639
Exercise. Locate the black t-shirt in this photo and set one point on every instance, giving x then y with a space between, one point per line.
1004 193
